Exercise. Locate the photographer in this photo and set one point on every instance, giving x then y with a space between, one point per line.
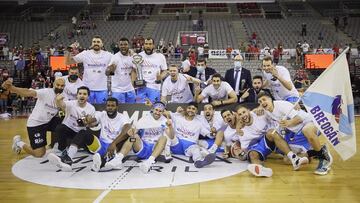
77 117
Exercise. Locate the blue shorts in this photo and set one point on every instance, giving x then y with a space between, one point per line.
210 142
145 151
181 146
262 147
297 141
292 99
103 148
144 92
125 97
98 97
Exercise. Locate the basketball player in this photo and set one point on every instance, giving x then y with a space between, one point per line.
254 139
278 80
220 92
123 74
217 127
299 130
42 119
72 83
177 87
154 70
188 127
77 115
148 142
95 63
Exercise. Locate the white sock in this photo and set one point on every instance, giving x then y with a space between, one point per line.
120 156
72 151
213 148
20 144
151 159
196 154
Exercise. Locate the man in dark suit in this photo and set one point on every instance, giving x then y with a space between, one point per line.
238 77
202 72
250 94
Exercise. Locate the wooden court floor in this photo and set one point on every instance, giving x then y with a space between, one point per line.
341 185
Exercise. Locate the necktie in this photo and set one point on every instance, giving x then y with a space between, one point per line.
236 74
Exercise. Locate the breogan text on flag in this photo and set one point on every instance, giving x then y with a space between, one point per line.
330 102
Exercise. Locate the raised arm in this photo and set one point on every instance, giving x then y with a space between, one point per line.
24 92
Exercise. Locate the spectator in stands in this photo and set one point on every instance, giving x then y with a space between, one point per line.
5 50
177 15
250 94
320 50
4 96
206 50
178 51
267 50
303 29
228 51
189 15
58 73
171 49
74 22
185 65
114 47
305 47
243 49
321 37
276 55
253 38
1 54
298 53
336 23
336 50
20 66
192 56
238 77
200 50
201 24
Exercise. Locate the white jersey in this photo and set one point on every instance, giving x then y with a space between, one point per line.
179 91
217 122
189 130
217 94
283 108
121 81
152 65
70 90
95 65
278 90
45 108
151 135
230 136
254 132
110 127
73 112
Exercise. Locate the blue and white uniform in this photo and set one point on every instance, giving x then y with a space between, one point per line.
218 123
187 133
150 136
94 77
110 129
294 135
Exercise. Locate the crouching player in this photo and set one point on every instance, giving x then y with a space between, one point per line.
300 131
114 126
148 142
257 143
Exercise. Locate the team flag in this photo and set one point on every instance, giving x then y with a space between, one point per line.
330 102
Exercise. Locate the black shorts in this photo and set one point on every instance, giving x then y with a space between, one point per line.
37 134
